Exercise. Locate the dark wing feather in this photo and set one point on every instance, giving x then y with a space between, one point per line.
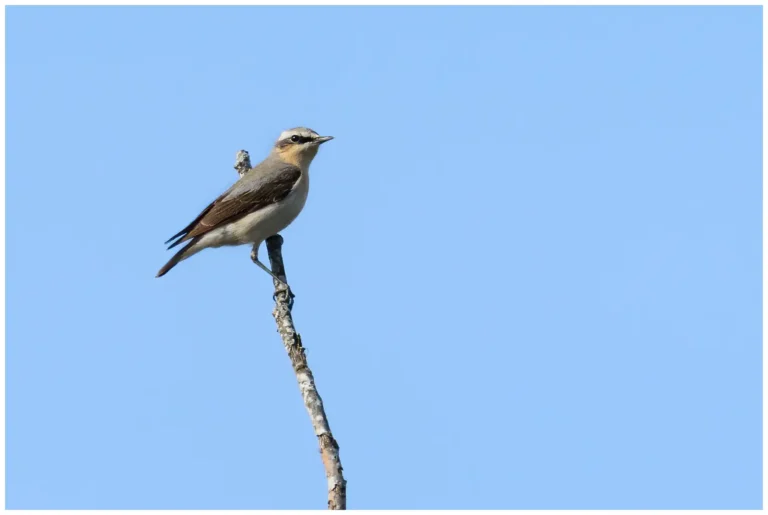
245 197
193 223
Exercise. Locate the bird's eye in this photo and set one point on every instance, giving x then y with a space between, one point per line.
294 138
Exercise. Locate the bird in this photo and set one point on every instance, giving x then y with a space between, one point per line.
263 202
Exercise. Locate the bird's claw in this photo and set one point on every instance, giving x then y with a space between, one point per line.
289 295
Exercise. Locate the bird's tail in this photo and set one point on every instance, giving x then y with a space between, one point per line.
179 256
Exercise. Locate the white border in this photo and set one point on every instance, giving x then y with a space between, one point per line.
352 2
385 2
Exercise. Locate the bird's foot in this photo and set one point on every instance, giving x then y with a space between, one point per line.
289 295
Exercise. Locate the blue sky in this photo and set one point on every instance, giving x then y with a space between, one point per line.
528 274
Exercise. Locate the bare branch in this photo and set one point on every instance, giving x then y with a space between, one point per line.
242 162
329 449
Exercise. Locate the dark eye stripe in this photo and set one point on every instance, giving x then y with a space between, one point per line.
287 141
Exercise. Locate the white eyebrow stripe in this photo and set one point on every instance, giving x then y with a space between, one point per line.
298 131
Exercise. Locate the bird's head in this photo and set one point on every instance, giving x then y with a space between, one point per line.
299 146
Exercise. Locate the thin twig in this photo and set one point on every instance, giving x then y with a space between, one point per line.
329 449
242 162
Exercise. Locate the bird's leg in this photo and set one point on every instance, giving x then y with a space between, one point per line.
255 259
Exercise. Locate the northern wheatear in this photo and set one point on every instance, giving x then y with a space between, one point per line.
263 202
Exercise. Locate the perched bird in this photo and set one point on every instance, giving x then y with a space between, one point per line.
263 202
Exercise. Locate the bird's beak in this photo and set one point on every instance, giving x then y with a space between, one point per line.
323 139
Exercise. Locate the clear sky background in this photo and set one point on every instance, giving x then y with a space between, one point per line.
528 274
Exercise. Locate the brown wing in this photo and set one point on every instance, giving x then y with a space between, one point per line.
245 197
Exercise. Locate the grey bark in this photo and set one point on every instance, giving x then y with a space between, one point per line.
329 449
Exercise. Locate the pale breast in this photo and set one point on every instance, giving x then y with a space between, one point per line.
271 220
257 227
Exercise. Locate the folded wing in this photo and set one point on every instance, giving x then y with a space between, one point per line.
257 189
